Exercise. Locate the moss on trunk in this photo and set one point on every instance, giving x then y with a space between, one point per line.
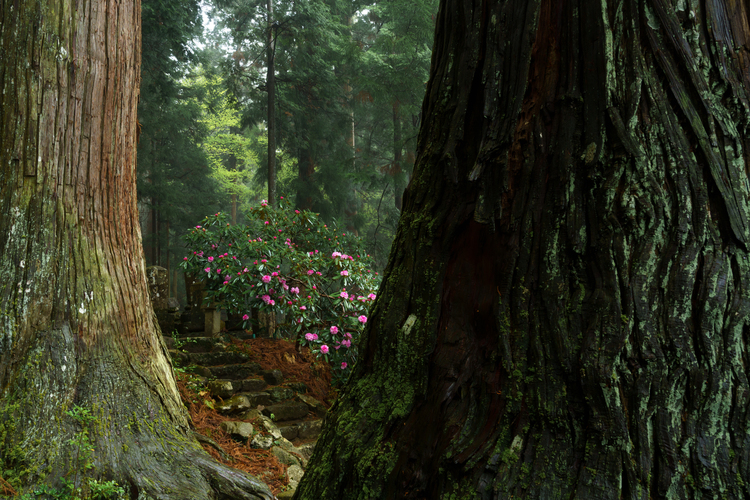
565 309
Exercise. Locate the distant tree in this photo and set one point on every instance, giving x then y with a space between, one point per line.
88 392
171 163
312 44
566 307
395 42
228 146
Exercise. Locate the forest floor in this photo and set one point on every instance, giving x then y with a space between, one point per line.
271 354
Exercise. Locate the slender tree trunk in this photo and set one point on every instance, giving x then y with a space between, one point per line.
77 332
305 160
271 86
398 184
565 311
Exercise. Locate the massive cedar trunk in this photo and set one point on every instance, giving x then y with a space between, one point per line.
77 332
565 309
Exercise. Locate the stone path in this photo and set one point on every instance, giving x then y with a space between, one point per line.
285 419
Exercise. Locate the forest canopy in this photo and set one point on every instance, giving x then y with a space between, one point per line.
349 83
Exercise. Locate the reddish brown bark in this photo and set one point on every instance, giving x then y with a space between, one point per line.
76 328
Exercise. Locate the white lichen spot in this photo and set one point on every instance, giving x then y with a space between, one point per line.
515 446
82 309
409 324
63 367
22 264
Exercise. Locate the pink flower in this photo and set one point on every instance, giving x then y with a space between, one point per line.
210 259
266 299
310 272
289 302
294 289
208 269
263 261
310 336
267 222
344 295
274 273
324 349
197 227
184 258
346 343
272 303
336 254
296 211
303 308
266 279
245 317
344 273
371 296
362 319
334 330
343 365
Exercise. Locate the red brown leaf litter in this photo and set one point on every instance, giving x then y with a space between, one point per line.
270 354
6 489
296 366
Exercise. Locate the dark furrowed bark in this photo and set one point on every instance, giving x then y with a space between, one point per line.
564 313
77 331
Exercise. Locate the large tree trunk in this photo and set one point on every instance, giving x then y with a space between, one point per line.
77 332
565 310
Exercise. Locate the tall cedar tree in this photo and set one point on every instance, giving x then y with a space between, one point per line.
565 310
76 325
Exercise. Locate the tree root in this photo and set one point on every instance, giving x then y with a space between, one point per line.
207 440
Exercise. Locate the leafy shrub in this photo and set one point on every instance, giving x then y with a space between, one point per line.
315 278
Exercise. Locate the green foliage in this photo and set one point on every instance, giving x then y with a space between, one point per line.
170 160
314 277
350 83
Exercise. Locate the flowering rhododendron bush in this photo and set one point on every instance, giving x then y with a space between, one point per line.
287 261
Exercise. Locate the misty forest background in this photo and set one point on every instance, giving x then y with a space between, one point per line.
349 82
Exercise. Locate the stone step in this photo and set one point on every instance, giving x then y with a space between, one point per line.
200 344
295 430
225 388
217 358
235 372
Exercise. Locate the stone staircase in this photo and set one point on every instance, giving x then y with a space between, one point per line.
287 420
